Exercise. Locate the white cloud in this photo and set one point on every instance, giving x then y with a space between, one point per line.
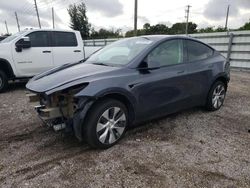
119 13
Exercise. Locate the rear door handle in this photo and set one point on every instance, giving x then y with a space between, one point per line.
77 50
46 51
180 72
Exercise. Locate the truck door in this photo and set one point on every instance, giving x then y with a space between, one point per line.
66 48
36 59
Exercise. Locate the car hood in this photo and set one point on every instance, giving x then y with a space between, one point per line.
66 74
4 47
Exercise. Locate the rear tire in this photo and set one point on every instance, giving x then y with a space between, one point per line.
3 81
216 96
106 123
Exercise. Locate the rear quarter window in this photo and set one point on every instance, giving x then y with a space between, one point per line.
197 51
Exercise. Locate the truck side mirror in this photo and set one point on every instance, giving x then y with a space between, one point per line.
24 42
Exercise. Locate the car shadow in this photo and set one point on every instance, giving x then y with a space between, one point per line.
16 86
69 141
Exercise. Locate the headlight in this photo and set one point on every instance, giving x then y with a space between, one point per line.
74 89
45 100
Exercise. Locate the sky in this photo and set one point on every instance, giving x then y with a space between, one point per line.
118 14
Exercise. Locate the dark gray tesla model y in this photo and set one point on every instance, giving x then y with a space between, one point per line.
130 81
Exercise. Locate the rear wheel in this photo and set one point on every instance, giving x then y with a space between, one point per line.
106 123
216 96
3 81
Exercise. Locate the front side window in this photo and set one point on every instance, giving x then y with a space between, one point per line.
39 39
167 53
197 51
61 39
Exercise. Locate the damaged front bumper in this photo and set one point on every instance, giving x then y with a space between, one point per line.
62 111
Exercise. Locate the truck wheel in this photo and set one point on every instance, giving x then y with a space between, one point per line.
216 96
106 123
3 81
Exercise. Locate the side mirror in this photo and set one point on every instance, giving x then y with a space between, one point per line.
24 42
149 64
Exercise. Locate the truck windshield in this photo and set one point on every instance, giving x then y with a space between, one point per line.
12 37
121 52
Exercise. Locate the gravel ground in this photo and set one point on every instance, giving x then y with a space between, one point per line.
193 148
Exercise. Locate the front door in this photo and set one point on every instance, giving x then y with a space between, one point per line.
164 90
36 59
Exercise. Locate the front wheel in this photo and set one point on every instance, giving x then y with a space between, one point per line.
106 123
3 81
216 96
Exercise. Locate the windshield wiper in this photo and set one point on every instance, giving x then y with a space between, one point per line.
100 64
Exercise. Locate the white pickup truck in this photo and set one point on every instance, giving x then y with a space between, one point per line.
30 52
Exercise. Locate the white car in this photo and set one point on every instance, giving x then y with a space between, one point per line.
30 52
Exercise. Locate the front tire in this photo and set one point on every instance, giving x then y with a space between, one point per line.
216 96
3 81
106 123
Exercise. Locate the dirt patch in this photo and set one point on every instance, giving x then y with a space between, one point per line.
193 148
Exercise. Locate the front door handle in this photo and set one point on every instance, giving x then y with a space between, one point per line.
210 66
46 51
77 50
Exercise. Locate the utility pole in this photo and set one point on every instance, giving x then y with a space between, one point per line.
53 18
187 17
37 13
17 21
228 7
135 18
7 30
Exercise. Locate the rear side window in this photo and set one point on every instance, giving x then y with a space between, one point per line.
197 51
61 39
39 39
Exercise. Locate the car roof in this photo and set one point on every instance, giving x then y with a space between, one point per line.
64 30
161 37
157 38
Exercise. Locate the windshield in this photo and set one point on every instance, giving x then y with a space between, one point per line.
12 37
121 52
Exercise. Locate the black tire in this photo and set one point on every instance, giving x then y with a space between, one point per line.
3 81
211 104
96 115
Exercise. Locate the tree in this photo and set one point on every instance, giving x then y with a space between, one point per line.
206 30
104 33
246 26
146 26
220 29
159 29
79 19
179 28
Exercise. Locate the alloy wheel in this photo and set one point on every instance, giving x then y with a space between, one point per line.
111 125
218 96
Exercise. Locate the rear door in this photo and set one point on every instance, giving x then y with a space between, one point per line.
66 48
200 65
37 58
